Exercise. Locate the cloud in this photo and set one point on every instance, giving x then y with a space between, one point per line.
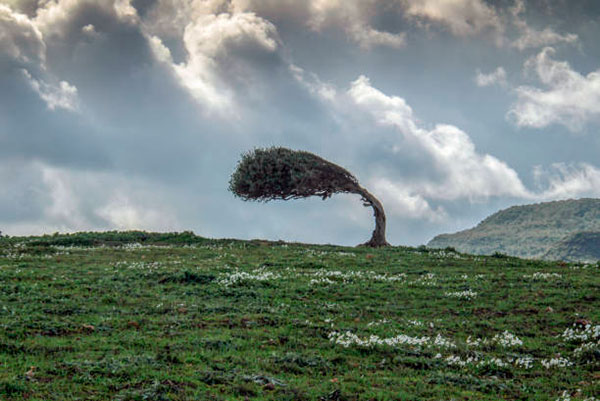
496 77
569 98
27 7
21 42
64 206
460 17
125 213
23 51
62 18
533 38
460 171
66 200
313 84
63 95
402 201
355 18
367 23
564 180
145 150
169 17
223 53
447 167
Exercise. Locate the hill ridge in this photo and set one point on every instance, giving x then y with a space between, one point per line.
528 231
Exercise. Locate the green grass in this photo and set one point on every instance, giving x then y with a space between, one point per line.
172 320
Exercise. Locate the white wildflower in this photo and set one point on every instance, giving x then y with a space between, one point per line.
495 361
454 360
321 281
539 276
378 322
260 274
467 294
587 347
426 280
474 343
580 334
524 362
507 339
347 339
558 362
442 342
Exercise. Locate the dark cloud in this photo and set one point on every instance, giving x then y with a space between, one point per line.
135 114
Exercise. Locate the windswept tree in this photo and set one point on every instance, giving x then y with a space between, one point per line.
280 173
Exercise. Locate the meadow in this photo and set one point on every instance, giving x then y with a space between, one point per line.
178 317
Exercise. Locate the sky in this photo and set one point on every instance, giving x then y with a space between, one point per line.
132 114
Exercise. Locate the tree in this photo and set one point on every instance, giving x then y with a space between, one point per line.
280 173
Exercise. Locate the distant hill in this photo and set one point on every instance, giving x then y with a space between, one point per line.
544 230
583 246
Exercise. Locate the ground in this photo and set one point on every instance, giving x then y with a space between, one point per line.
235 320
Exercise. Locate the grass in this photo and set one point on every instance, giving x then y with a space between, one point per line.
179 317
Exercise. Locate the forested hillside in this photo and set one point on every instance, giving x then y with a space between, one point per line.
527 231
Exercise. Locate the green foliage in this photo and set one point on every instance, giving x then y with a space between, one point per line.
12 388
540 230
280 173
109 238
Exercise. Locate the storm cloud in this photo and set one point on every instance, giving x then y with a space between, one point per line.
120 114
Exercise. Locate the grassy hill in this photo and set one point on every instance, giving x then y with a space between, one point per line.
584 246
526 231
139 316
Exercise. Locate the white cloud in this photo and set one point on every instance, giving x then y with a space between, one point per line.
89 30
123 213
355 18
22 46
533 38
20 39
53 17
64 209
563 181
462 172
569 98
401 201
212 41
496 77
366 37
460 17
85 200
125 10
313 84
449 168
169 18
62 95
212 35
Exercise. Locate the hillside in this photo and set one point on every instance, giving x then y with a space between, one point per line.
142 316
584 246
526 231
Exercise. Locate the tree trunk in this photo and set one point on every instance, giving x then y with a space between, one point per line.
378 237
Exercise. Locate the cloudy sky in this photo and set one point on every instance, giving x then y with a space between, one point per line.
132 114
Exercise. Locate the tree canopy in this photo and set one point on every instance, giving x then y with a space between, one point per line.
281 173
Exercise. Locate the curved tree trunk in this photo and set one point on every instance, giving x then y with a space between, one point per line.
378 237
